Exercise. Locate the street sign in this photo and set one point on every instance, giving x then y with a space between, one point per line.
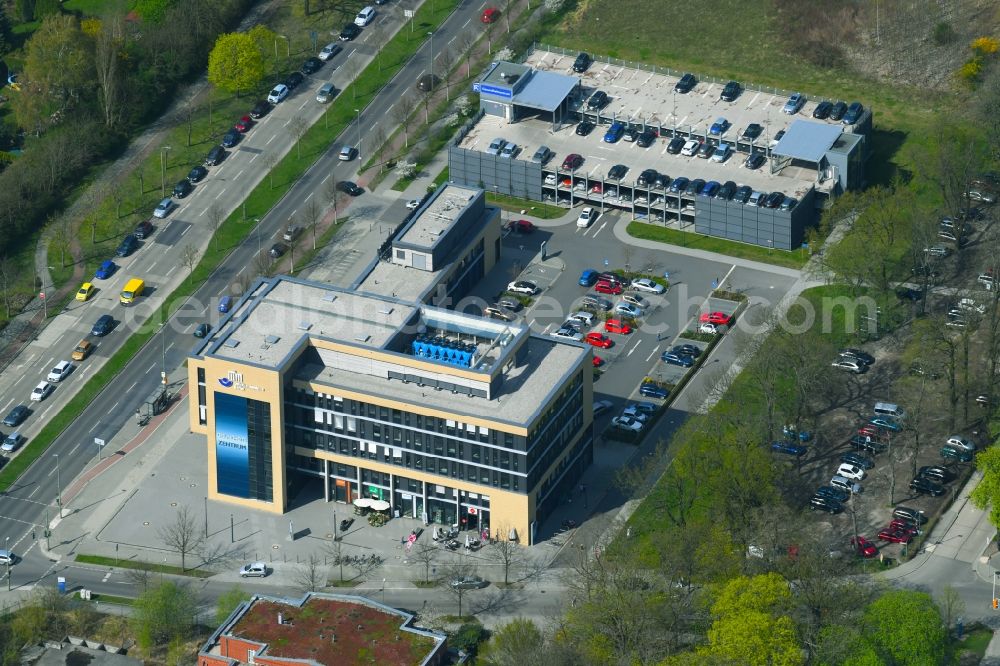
408 13
100 442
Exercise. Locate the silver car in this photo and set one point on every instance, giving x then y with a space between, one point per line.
509 150
258 569
496 145
325 93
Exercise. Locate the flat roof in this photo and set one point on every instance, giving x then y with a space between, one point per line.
542 363
436 217
545 90
505 74
403 282
807 141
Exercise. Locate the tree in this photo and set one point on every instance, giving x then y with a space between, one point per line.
227 603
183 535
216 214
109 45
337 557
904 627
310 575
310 215
401 116
25 10
163 613
235 63
424 554
270 161
516 643
461 569
366 565
189 259
298 126
987 493
506 553
4 31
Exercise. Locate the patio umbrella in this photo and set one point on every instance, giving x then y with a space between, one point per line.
379 505
512 536
363 502
466 540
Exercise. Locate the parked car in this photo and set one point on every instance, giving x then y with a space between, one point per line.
326 92
542 155
617 326
895 535
754 161
572 162
863 547
598 100
605 287
196 174
349 32
686 83
924 486
628 423
128 245
582 63
617 172
857 354
584 128
651 390
717 318
598 340
329 51
256 569
936 473
794 103
646 178
260 109
853 113
676 145
311 66
41 391
202 330
277 250
850 471
730 91
568 333
838 110
490 15
788 448
949 452
350 187
722 152
833 493
690 147
278 93
960 442
523 287
585 218
752 131
12 442
742 194
215 156
719 127
820 503
646 138
164 207
914 516
647 285
671 358
886 423
822 110
857 460
601 406
16 416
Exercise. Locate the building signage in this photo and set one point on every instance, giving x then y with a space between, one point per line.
496 91
235 380
232 445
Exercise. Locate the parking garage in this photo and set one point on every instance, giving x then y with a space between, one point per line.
807 161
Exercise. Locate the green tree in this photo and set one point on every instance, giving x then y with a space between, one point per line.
152 11
163 613
4 31
516 643
750 623
227 603
25 10
987 492
45 8
904 627
235 63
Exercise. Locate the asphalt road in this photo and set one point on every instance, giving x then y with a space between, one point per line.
23 509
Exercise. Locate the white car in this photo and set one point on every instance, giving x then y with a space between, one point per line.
647 285
640 200
850 365
627 423
365 16
937 251
569 334
60 371
164 207
986 280
961 443
41 391
850 471
601 406
523 287
690 148
413 204
278 93
550 179
12 442
584 318
710 328
330 50
635 300
586 217
971 305
254 569
628 310
509 151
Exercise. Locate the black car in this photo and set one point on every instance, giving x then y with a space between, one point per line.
647 178
584 128
853 113
598 100
103 325
686 83
752 131
128 245
683 360
755 161
231 138
260 109
838 111
197 174
183 188
293 80
695 186
858 354
349 32
774 199
742 194
830 492
662 181
857 460
820 503
202 330
16 416
675 145
216 155
311 66
350 188
727 190
646 139
907 294
688 350
936 473
822 110
912 515
143 230
582 63
617 172
277 250
923 486
731 91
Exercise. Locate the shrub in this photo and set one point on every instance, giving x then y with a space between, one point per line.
943 34
985 46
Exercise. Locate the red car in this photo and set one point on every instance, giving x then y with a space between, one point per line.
572 162
898 524
243 124
617 326
522 226
605 287
596 189
868 430
864 547
598 340
490 15
717 318
598 361
895 535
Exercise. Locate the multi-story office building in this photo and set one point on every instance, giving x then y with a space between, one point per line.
452 419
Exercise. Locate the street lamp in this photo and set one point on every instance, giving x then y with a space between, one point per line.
163 170
430 33
358 111
58 486
10 557
287 45
383 585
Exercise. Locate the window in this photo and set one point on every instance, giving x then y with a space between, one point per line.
400 254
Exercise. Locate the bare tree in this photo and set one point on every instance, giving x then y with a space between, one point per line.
310 575
140 577
118 196
951 605
183 534
336 556
377 135
458 579
189 259
401 116
425 554
270 161
216 214
446 60
350 69
366 565
310 216
298 128
332 195
507 554
108 49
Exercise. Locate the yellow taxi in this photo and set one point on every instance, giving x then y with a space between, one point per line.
85 292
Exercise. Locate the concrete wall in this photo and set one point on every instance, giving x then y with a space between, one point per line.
475 168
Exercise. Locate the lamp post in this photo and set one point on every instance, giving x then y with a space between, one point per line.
287 45
9 558
256 222
58 486
430 33
383 585
163 357
358 111
163 170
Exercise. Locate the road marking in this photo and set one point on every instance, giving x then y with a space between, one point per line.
293 213
131 387
465 24
106 577
239 174
173 268
73 450
114 407
203 211
46 411
255 155
272 137
310 195
322 182
629 353
150 269
603 224
7 406
304 104
652 354
32 493
752 100
186 229
151 367
51 360
96 425
220 193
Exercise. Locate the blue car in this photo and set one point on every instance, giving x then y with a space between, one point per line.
887 423
614 133
788 448
793 433
651 390
719 126
673 358
711 188
106 270
679 185
588 277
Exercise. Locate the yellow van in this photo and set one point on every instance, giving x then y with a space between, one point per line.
133 290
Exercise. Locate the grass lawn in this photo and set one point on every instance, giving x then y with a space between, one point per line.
647 231
148 566
975 642
533 208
